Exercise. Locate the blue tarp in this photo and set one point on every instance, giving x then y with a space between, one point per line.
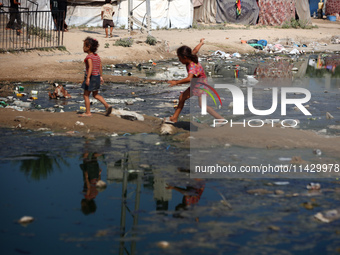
313 5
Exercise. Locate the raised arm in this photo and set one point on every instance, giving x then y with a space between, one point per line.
197 48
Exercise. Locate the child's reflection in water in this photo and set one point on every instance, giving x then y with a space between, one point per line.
191 195
91 175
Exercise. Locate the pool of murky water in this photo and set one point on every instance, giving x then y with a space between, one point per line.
143 209
150 204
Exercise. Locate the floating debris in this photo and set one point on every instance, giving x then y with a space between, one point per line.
329 116
328 216
101 184
314 186
26 220
163 244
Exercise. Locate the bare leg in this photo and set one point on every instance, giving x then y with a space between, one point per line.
106 32
87 102
210 110
100 98
182 98
111 28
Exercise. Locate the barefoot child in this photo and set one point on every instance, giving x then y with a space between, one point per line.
196 77
93 76
106 15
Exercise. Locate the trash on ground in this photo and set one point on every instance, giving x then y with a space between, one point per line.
328 216
129 115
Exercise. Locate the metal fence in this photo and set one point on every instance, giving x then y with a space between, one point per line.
38 29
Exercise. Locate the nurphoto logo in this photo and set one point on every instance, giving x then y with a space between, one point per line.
238 100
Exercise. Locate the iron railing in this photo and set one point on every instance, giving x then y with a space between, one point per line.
38 30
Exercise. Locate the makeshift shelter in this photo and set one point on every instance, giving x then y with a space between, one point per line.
313 6
303 11
276 12
164 13
332 7
205 11
227 12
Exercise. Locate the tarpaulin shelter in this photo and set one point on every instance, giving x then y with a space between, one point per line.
303 11
313 6
205 11
164 13
227 12
332 7
276 12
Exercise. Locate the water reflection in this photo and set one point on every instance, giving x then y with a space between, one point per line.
191 195
91 175
39 166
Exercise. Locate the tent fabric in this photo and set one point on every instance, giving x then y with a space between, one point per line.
197 3
181 13
276 12
164 14
206 13
332 7
303 11
226 12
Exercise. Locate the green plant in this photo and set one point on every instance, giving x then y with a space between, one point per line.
41 33
151 40
125 42
107 45
122 27
293 23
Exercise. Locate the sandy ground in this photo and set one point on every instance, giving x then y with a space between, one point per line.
68 65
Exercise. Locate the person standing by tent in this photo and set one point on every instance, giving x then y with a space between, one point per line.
106 14
62 6
14 15
55 13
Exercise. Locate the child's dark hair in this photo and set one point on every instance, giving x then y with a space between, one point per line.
92 43
107 1
185 51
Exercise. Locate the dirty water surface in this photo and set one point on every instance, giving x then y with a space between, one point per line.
150 205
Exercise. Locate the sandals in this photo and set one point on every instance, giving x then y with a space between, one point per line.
168 121
108 111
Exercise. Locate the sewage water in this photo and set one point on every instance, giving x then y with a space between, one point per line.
143 208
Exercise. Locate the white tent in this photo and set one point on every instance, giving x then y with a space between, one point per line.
164 14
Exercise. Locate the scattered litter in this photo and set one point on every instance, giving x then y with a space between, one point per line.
167 129
79 123
114 134
163 244
285 159
317 152
221 54
129 115
43 129
26 219
126 134
129 102
294 52
329 116
236 55
328 216
251 79
281 183
100 184
314 186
